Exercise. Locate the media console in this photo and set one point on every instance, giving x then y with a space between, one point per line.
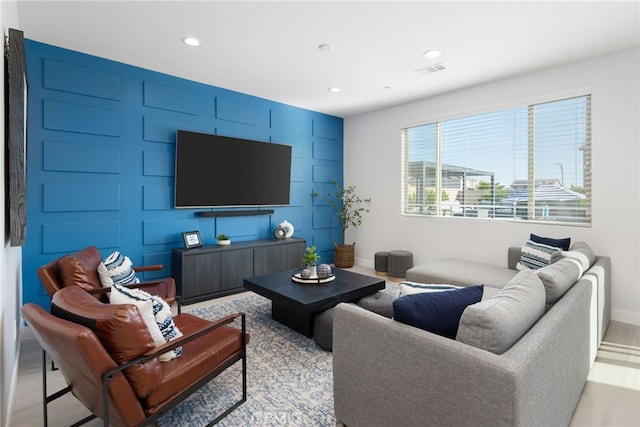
214 271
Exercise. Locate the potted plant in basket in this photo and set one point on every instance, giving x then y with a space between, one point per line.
223 239
349 208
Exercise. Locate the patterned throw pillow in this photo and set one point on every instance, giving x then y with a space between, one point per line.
162 320
117 269
535 255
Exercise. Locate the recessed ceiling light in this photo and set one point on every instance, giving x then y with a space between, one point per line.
191 41
325 47
334 89
430 54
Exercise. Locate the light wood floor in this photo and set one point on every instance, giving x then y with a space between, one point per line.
611 396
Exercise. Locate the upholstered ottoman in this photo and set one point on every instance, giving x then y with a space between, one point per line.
381 261
323 329
399 262
380 303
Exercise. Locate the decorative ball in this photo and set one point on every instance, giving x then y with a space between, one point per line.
280 233
323 271
305 274
288 227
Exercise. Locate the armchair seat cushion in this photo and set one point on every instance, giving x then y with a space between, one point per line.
199 358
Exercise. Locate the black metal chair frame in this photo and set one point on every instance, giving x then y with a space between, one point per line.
108 375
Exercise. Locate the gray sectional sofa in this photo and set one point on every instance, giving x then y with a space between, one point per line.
390 373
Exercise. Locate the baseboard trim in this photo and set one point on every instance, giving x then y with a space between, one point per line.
625 316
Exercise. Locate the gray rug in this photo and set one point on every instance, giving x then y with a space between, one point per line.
289 378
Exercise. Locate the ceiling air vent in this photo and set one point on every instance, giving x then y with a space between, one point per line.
430 69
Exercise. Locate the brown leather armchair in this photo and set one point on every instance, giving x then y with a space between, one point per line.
107 357
81 269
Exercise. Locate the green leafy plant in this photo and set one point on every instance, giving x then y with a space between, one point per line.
348 205
223 237
310 256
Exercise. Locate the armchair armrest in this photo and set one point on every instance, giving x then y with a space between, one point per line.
385 371
154 267
179 342
142 285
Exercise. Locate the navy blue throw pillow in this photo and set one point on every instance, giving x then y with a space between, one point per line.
437 312
556 243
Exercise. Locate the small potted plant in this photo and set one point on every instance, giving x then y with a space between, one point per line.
223 239
310 259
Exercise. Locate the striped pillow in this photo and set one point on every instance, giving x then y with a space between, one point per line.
535 255
161 315
117 269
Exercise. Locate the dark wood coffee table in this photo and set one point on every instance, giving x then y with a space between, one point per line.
295 304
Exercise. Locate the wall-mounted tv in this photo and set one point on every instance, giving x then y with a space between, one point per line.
216 171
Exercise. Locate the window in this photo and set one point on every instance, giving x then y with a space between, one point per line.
525 163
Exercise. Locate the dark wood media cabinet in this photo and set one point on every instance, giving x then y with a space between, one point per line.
214 271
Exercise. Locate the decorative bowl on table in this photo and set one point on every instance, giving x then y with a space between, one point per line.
302 276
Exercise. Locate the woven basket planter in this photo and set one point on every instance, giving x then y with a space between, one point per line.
344 255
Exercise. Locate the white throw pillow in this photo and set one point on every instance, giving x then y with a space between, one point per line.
408 288
160 318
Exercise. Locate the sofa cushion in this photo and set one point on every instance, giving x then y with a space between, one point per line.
535 255
161 319
437 312
460 272
558 278
80 269
550 241
580 252
119 327
499 322
118 269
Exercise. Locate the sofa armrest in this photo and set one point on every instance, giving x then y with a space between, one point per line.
513 256
389 373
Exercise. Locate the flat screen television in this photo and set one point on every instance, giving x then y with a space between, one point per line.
219 171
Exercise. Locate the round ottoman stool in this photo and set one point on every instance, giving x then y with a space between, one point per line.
399 262
323 329
380 262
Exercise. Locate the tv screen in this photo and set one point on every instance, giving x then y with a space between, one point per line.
214 171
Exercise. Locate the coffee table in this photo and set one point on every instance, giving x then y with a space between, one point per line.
295 304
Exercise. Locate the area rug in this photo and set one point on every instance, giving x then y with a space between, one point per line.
289 378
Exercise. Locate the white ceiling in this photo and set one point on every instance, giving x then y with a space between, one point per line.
270 48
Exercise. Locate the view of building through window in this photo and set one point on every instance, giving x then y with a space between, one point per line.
523 163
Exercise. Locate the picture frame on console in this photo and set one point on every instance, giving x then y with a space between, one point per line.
192 239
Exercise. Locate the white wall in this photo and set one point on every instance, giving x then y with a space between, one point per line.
10 269
372 164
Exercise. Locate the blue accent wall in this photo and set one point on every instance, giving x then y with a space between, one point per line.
100 161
